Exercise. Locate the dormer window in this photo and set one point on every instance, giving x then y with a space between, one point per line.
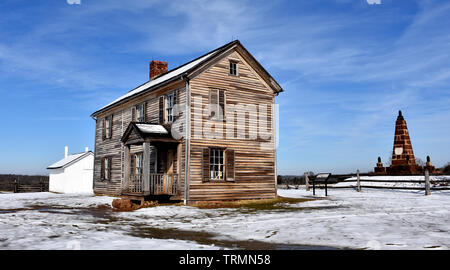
233 68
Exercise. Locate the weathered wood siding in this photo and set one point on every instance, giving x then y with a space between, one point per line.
255 159
122 116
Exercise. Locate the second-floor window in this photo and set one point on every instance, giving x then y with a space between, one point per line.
140 113
169 108
217 104
167 104
107 127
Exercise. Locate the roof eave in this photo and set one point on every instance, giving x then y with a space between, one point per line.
71 162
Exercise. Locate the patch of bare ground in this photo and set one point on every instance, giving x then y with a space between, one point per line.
206 238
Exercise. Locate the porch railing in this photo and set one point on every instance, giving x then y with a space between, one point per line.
163 184
135 184
158 184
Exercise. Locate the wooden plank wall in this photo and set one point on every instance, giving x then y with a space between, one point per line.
254 167
113 147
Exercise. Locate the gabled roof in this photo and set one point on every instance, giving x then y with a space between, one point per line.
69 160
151 128
143 130
184 71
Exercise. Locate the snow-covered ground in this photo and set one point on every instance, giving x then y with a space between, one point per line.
385 219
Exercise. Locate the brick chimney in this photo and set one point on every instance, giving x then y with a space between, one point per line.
157 67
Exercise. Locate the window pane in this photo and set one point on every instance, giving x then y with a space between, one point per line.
140 113
216 164
169 109
233 68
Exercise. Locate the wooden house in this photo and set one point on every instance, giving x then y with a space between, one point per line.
202 131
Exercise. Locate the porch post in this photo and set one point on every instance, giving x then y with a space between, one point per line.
127 167
146 167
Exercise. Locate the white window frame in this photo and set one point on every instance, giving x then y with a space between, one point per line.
169 107
217 164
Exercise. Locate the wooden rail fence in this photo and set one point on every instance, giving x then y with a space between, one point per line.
426 184
19 187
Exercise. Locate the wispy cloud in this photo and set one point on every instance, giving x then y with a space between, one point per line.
374 2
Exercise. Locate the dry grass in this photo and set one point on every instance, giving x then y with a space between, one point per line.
256 204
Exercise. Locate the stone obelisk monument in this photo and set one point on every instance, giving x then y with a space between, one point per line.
403 160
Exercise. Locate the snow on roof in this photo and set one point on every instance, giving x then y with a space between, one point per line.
68 160
169 75
151 128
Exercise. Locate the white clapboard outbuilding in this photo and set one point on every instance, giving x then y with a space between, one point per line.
73 173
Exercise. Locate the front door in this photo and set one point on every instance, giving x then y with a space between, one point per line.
168 175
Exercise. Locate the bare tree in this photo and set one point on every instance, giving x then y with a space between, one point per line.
446 169
420 162
390 159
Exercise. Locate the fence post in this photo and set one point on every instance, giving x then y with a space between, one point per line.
427 183
40 184
358 183
307 181
16 186
314 187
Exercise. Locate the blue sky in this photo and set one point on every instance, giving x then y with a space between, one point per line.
347 67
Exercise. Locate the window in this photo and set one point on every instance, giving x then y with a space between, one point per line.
217 104
107 127
216 164
138 164
233 68
140 113
169 108
106 168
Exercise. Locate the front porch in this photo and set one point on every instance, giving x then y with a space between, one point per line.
158 184
151 162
